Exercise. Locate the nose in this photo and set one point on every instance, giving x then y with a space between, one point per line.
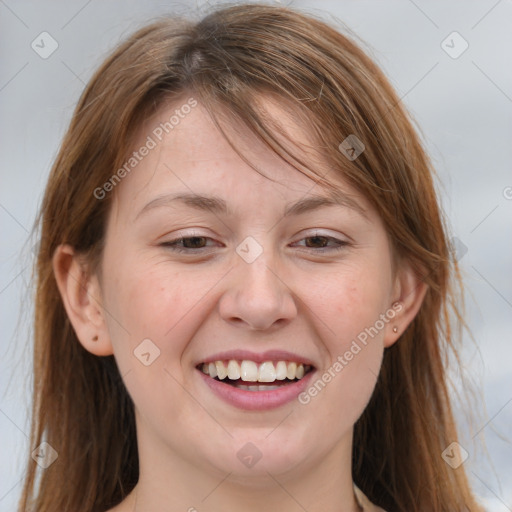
257 297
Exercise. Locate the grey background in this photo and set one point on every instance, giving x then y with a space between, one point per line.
462 105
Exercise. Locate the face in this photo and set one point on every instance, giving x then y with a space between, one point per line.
247 277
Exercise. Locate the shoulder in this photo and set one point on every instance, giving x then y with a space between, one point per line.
364 502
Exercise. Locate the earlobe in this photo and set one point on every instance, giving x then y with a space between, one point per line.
409 292
81 296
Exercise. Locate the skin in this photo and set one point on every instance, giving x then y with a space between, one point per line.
292 297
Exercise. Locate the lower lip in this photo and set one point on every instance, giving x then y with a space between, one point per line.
257 400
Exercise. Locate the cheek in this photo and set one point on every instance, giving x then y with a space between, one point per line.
349 305
342 388
146 304
151 300
350 301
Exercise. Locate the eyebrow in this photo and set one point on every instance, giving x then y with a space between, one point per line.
219 206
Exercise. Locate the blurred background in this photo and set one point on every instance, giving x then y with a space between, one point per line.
450 63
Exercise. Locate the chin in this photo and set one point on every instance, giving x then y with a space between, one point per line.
251 456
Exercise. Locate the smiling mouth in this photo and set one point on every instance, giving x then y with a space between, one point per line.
251 376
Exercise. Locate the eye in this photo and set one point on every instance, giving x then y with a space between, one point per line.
320 243
187 244
197 244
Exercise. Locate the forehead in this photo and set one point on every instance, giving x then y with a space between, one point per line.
189 155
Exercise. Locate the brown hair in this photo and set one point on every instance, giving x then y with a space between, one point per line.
226 61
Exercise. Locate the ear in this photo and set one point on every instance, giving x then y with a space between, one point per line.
409 292
81 295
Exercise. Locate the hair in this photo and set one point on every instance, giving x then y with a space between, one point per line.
228 61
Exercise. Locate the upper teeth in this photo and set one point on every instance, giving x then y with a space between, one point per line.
250 371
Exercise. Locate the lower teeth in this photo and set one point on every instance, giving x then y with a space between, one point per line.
256 388
239 384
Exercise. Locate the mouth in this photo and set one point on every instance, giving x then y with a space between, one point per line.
252 376
250 385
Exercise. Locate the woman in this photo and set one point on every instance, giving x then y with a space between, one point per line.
244 283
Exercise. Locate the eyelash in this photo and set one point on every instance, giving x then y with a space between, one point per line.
172 244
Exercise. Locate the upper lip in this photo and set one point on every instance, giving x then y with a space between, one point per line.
261 357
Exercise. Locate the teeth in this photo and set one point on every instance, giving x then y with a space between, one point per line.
257 388
221 370
233 370
281 370
267 372
249 371
290 372
212 370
